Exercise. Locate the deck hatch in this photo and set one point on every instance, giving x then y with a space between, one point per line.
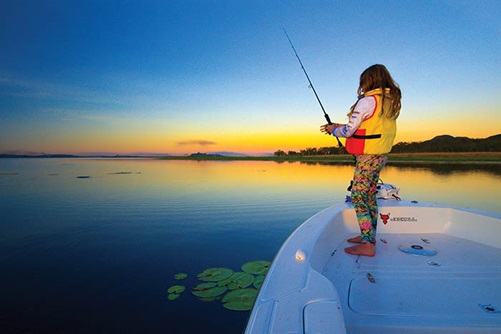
323 316
424 296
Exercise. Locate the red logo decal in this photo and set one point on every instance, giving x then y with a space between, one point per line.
385 218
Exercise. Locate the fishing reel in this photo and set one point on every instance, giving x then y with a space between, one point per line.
387 191
384 190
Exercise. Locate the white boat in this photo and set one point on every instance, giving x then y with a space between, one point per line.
437 269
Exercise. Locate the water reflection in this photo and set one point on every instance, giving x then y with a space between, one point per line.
455 168
438 168
94 245
471 185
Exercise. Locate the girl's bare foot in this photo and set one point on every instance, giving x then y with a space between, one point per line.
366 249
356 240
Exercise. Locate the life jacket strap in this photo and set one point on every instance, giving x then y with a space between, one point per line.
367 136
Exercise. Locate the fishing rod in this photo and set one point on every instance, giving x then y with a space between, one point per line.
327 118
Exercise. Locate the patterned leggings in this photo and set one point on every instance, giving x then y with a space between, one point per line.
363 193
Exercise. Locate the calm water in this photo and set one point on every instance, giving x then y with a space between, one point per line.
97 254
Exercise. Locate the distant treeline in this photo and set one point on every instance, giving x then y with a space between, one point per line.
443 143
35 155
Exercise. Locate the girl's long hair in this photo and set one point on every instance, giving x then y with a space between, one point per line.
377 76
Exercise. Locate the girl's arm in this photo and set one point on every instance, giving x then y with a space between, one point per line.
365 108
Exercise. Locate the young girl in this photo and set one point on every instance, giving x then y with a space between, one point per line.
370 133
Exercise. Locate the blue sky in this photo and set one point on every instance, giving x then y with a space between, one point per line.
185 76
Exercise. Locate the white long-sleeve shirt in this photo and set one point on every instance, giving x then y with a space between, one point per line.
364 109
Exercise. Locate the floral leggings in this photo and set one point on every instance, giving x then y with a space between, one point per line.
363 193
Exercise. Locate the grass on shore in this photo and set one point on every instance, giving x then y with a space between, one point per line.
453 157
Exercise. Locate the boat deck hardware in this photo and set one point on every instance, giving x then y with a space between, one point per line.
489 308
417 250
434 263
371 278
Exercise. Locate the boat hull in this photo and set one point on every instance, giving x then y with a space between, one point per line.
437 269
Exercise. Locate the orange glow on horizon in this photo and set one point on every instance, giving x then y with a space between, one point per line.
127 140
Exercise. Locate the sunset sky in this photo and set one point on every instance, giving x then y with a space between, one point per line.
178 77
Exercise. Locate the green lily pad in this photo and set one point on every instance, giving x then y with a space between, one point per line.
225 281
173 296
210 299
205 286
258 281
241 280
176 289
256 267
240 300
180 276
215 274
210 293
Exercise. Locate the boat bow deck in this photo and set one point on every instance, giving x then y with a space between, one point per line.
437 270
452 290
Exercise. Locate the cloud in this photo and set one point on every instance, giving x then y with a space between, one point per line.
196 142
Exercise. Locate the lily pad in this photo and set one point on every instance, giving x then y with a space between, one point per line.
258 281
205 286
214 274
176 289
173 296
210 299
180 276
225 281
240 300
240 280
256 267
210 293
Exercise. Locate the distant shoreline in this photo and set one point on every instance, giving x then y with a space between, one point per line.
463 157
438 157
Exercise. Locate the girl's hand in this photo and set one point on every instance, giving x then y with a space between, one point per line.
328 128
